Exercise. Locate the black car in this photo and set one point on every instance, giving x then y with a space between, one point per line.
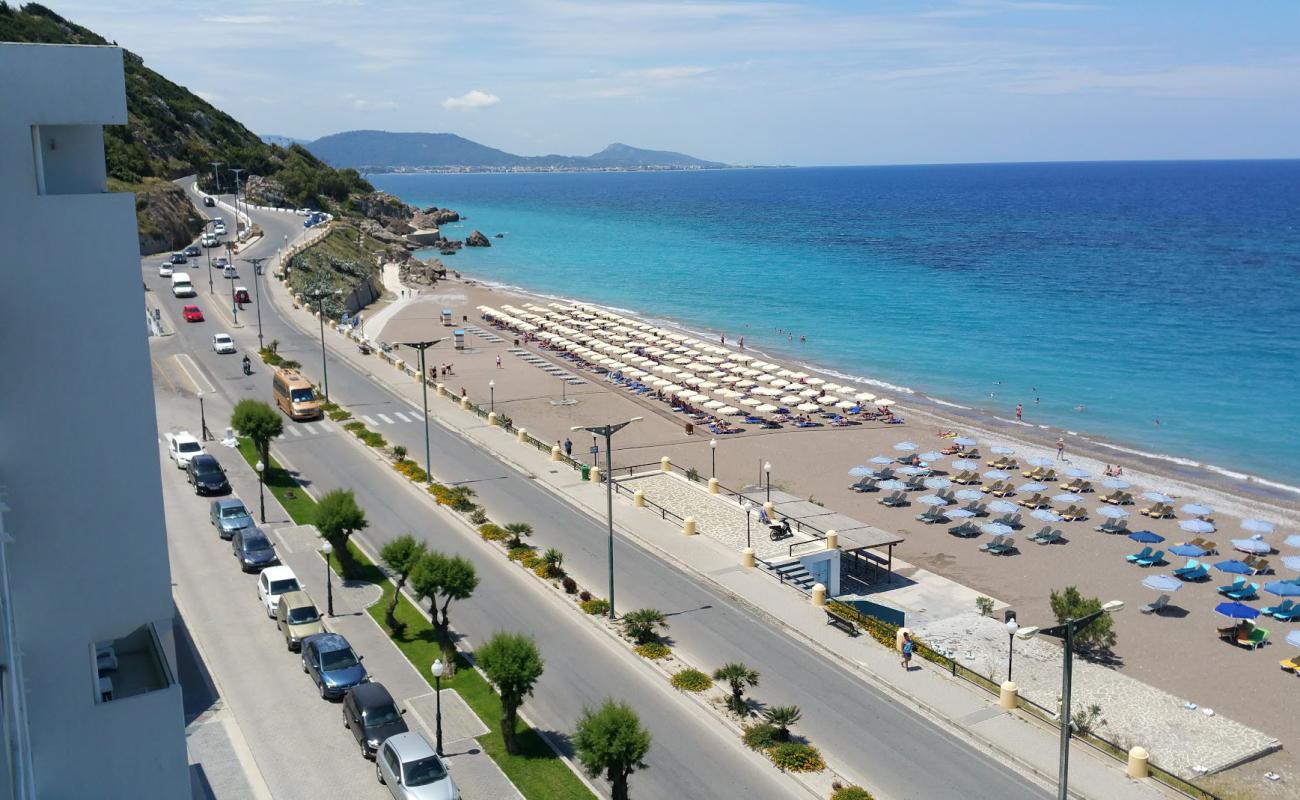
179 258
208 201
193 251
372 716
253 549
206 475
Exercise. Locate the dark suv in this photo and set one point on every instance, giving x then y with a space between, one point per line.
372 716
253 549
332 664
206 475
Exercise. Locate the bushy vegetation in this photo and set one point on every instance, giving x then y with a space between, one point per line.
851 793
797 757
595 606
653 650
692 680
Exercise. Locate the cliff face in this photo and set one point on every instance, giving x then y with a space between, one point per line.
166 218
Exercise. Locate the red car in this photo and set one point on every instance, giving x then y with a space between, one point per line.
192 314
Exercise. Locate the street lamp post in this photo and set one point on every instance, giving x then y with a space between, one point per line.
328 550
237 171
208 251
713 451
424 390
1012 627
257 294
261 485
608 432
767 470
234 299
203 419
1066 631
319 297
492 396
437 669
216 175
749 516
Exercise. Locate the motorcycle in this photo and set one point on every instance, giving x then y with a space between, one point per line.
248 366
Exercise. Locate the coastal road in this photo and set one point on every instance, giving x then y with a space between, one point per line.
858 726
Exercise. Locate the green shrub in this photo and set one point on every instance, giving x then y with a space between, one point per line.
653 650
340 415
692 474
595 606
760 736
478 517
374 439
399 452
692 680
851 793
532 561
984 605
492 532
520 553
355 427
797 757
329 405
543 570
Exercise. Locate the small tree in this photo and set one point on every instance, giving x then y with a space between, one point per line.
643 625
438 577
553 558
399 453
260 423
611 740
513 665
1070 604
338 517
400 555
782 717
517 531
739 677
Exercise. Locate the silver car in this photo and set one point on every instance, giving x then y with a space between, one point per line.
407 764
228 515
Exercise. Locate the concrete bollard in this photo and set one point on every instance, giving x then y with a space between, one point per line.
713 485
441 389
688 526
664 464
492 418
464 402
832 540
747 558
399 363
819 595
638 498
521 435
593 475
1008 696
555 452
1137 763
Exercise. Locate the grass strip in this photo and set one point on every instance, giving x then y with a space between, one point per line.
281 483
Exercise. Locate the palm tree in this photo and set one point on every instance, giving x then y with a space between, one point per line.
642 625
782 717
517 530
738 676
553 558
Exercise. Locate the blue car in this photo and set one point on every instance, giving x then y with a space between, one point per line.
332 664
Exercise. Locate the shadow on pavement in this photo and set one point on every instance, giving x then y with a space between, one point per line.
198 692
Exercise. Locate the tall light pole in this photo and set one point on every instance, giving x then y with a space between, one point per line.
234 300
237 171
257 293
203 419
1012 627
261 484
1066 631
208 252
328 550
713 451
437 669
492 396
424 390
608 432
319 296
767 470
216 175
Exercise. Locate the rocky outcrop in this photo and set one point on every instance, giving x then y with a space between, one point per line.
477 239
262 191
385 209
434 217
166 218
420 273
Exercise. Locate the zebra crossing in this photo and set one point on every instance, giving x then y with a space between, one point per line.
547 367
322 427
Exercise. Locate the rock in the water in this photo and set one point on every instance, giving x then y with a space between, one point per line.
433 217
477 239
447 251
499 236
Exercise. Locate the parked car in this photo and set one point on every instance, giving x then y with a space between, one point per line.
253 549
407 764
372 716
165 270
192 314
222 343
272 583
193 251
209 201
228 515
332 664
297 617
206 475
183 446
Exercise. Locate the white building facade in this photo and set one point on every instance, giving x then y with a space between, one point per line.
89 702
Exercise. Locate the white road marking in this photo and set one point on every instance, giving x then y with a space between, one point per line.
387 420
279 534
368 421
294 430
402 417
192 371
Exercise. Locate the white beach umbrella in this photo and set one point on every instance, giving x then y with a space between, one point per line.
751 402
809 393
814 381
685 393
884 403
846 404
709 385
791 399
745 384
729 394
780 383
697 399
729 411
808 407
766 408
828 400
864 396
712 404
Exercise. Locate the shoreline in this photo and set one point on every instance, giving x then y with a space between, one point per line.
1231 491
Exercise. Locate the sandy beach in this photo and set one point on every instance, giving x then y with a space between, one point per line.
1176 651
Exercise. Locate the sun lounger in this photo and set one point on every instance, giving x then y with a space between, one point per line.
915 484
1036 501
1036 473
1074 513
895 500
948 496
977 508
933 515
909 460
1049 476
1256 640
1288 616
1114 526
966 477
865 485
1260 565
1285 608
973 454
1208 546
1191 566
996 541
996 486
1291 664
1047 535
1232 587
1006 547
1114 498
1006 490
1158 557
1199 574
966 529
1143 553
1230 633
1246 592
1154 607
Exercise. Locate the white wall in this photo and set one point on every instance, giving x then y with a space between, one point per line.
78 451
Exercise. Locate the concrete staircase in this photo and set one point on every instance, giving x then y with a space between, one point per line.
795 573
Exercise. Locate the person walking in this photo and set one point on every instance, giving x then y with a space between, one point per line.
1060 448
498 362
568 447
1020 410
908 647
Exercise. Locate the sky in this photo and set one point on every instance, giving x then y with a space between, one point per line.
803 83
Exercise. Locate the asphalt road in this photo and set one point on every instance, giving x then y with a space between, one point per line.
903 753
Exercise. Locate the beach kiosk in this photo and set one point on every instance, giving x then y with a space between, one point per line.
459 333
446 318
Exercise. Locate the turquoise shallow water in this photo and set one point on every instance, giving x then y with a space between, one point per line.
1114 294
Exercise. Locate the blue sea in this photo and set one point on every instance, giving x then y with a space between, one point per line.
1155 304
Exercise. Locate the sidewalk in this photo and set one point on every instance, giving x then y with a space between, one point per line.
951 703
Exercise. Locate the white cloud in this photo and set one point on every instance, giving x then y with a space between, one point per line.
666 73
240 19
471 100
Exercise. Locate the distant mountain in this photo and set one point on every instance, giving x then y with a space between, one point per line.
382 151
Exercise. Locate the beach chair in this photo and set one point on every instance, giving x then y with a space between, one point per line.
1036 473
948 496
865 485
1114 526
1201 573
1158 557
885 474
1289 615
915 484
996 486
909 460
1285 608
1232 632
973 454
1074 513
1048 535
1046 529
977 508
1006 519
1232 587
1260 565
1256 640
1208 546
1191 566
996 541
932 515
1247 592
1049 476
1143 553
1006 490
963 477
1005 548
1127 500
1154 607
896 500
1291 664
1114 498
967 529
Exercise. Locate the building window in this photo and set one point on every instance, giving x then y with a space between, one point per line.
69 159
132 665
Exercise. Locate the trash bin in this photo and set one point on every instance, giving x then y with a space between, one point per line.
586 472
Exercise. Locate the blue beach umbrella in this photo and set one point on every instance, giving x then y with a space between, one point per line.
1234 567
905 447
1075 472
1187 550
1293 638
1116 483
1254 546
1162 583
1045 514
1002 450
1257 526
932 455
1197 509
1033 487
859 472
893 486
932 500
966 463
1236 611
1196 526
1158 497
881 460
1283 588
1040 461
1067 497
995 529
1293 540
960 513
965 441
997 475
1113 512
1291 562
976 494
1146 537
1002 507
937 483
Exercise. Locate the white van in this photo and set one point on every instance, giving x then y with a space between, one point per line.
181 285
